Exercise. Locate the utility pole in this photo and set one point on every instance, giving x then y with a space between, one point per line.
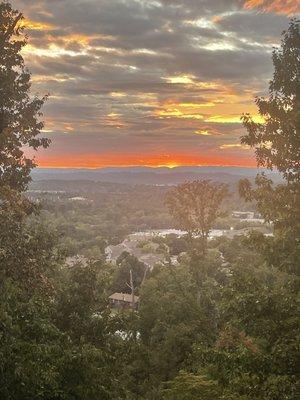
132 289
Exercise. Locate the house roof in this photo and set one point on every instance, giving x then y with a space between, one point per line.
124 297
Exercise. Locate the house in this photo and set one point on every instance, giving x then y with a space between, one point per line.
123 301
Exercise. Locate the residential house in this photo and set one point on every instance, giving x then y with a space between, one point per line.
123 301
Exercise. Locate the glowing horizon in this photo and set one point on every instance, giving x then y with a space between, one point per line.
92 161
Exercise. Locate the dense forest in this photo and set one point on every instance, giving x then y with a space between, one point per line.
223 323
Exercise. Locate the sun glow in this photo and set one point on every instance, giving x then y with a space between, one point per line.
181 79
172 160
36 26
203 132
170 165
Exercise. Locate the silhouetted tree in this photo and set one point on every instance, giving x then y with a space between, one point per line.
195 206
277 146
20 113
277 140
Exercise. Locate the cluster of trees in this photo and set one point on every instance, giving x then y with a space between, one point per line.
222 324
109 214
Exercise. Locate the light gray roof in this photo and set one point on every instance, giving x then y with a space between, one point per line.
124 297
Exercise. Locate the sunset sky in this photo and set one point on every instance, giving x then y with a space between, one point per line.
142 82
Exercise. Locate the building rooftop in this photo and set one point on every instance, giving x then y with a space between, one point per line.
127 298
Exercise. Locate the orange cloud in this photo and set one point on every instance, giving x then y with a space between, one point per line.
234 146
232 119
288 7
189 110
36 26
203 132
177 113
214 110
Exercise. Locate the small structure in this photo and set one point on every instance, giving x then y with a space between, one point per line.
243 214
76 260
248 216
123 301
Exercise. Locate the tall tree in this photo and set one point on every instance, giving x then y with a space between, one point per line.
195 206
277 146
277 140
20 113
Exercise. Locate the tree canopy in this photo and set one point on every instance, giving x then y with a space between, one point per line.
196 205
277 140
20 112
277 146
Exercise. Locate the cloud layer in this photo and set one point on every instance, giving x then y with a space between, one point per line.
142 82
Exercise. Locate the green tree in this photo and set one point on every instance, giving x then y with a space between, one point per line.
38 361
277 146
126 263
255 354
195 206
186 386
171 321
20 113
40 358
277 140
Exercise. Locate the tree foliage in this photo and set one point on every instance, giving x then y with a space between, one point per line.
277 140
20 113
277 145
196 205
126 263
187 386
51 344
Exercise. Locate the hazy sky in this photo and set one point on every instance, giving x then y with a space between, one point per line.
142 82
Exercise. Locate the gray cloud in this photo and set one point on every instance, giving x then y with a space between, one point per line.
109 67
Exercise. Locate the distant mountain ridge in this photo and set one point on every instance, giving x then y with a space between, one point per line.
150 175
